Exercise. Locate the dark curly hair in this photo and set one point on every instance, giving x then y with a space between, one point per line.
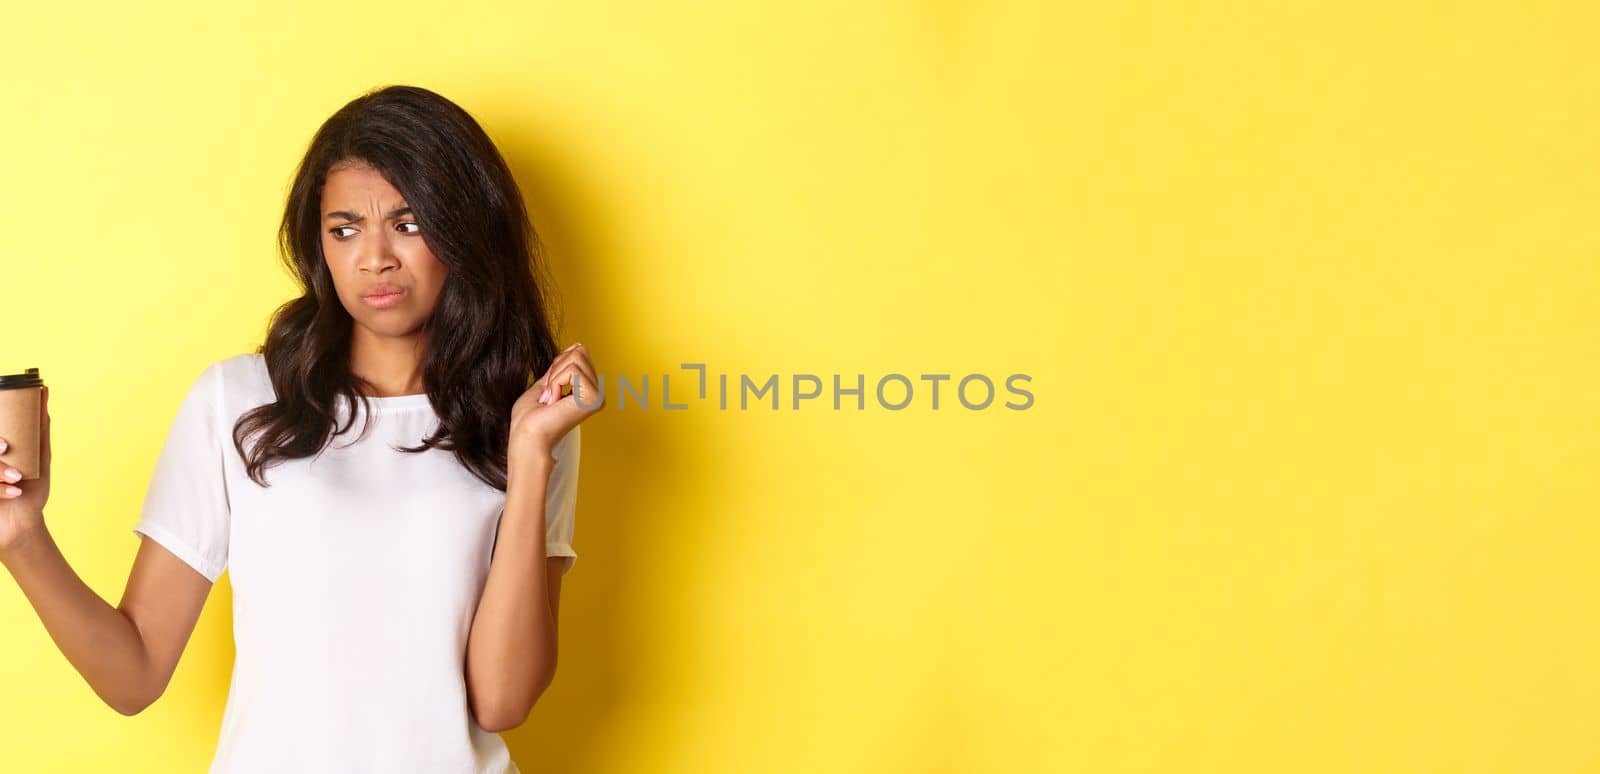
490 334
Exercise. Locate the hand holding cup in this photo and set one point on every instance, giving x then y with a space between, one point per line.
24 455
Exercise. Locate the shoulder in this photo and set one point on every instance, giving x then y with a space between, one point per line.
237 372
240 381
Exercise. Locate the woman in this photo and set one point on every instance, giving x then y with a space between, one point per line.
393 608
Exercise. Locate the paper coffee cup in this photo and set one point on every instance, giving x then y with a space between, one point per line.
21 418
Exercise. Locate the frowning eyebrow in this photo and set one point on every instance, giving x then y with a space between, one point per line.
357 218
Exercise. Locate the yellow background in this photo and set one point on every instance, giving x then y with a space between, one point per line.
1306 291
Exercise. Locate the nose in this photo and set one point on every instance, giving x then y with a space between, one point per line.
375 253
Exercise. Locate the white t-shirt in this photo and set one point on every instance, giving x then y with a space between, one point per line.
356 575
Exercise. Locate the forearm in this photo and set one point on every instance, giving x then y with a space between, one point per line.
99 640
511 651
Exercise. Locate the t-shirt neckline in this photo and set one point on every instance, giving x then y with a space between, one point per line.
397 401
384 403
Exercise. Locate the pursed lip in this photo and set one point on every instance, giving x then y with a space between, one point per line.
382 290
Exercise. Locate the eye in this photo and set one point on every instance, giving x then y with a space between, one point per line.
411 223
335 231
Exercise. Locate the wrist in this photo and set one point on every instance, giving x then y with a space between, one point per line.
531 458
26 539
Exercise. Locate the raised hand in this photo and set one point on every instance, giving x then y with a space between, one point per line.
565 395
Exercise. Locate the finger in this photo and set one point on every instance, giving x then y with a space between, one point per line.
543 384
562 355
562 383
583 366
552 387
587 389
575 355
581 388
580 353
550 393
556 364
561 378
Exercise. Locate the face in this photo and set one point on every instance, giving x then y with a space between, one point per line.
372 242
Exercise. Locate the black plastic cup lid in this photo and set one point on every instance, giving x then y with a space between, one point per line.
29 378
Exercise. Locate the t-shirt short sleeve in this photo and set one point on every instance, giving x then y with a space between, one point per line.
561 499
186 506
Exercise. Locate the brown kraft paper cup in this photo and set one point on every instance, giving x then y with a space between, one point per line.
21 417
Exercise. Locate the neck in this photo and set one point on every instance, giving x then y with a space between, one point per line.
390 365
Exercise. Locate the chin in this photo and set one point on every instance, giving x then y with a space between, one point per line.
388 325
